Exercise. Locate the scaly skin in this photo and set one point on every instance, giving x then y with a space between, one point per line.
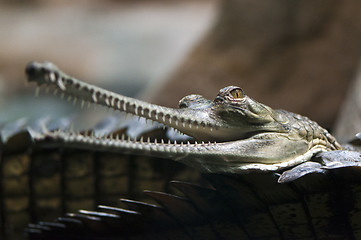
233 133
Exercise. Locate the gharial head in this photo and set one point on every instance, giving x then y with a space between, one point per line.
232 115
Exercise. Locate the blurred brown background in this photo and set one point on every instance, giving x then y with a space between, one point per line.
125 46
298 55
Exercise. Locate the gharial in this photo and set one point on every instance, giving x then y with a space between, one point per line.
232 135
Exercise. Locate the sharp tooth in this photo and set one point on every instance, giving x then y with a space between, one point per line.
155 141
136 110
61 84
148 140
69 98
162 141
62 95
124 106
94 97
211 129
82 104
163 127
74 101
169 142
176 123
47 90
195 142
123 137
175 142
202 142
52 77
55 91
44 128
141 139
128 138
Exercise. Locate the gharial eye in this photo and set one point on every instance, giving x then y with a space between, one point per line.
237 93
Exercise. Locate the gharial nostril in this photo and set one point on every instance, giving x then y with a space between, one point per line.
218 99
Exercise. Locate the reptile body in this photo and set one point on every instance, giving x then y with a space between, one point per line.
233 133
